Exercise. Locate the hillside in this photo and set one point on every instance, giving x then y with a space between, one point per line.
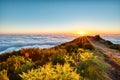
84 58
111 54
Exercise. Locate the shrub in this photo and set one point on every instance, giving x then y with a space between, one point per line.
73 47
41 55
58 58
90 67
50 72
6 55
3 75
16 65
113 46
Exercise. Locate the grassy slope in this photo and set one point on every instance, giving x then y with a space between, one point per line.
110 52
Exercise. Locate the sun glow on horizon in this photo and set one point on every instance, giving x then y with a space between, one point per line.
82 33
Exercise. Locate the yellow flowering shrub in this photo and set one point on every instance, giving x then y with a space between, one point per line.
52 72
3 75
90 67
86 56
16 65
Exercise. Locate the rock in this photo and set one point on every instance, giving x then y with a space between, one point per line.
98 38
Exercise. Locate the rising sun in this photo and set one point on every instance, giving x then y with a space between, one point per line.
81 33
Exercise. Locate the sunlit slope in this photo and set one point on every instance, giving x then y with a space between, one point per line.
78 59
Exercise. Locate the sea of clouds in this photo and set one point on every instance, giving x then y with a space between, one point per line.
10 42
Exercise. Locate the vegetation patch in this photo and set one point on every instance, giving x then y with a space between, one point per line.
73 60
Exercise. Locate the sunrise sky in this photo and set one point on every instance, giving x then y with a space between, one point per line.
59 16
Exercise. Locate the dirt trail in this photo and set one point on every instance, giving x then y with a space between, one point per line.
112 52
110 56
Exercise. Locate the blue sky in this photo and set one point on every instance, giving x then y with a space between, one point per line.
52 16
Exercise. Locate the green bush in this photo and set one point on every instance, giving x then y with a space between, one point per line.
90 67
50 72
16 65
73 47
58 58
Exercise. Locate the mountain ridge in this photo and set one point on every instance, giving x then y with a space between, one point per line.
82 45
